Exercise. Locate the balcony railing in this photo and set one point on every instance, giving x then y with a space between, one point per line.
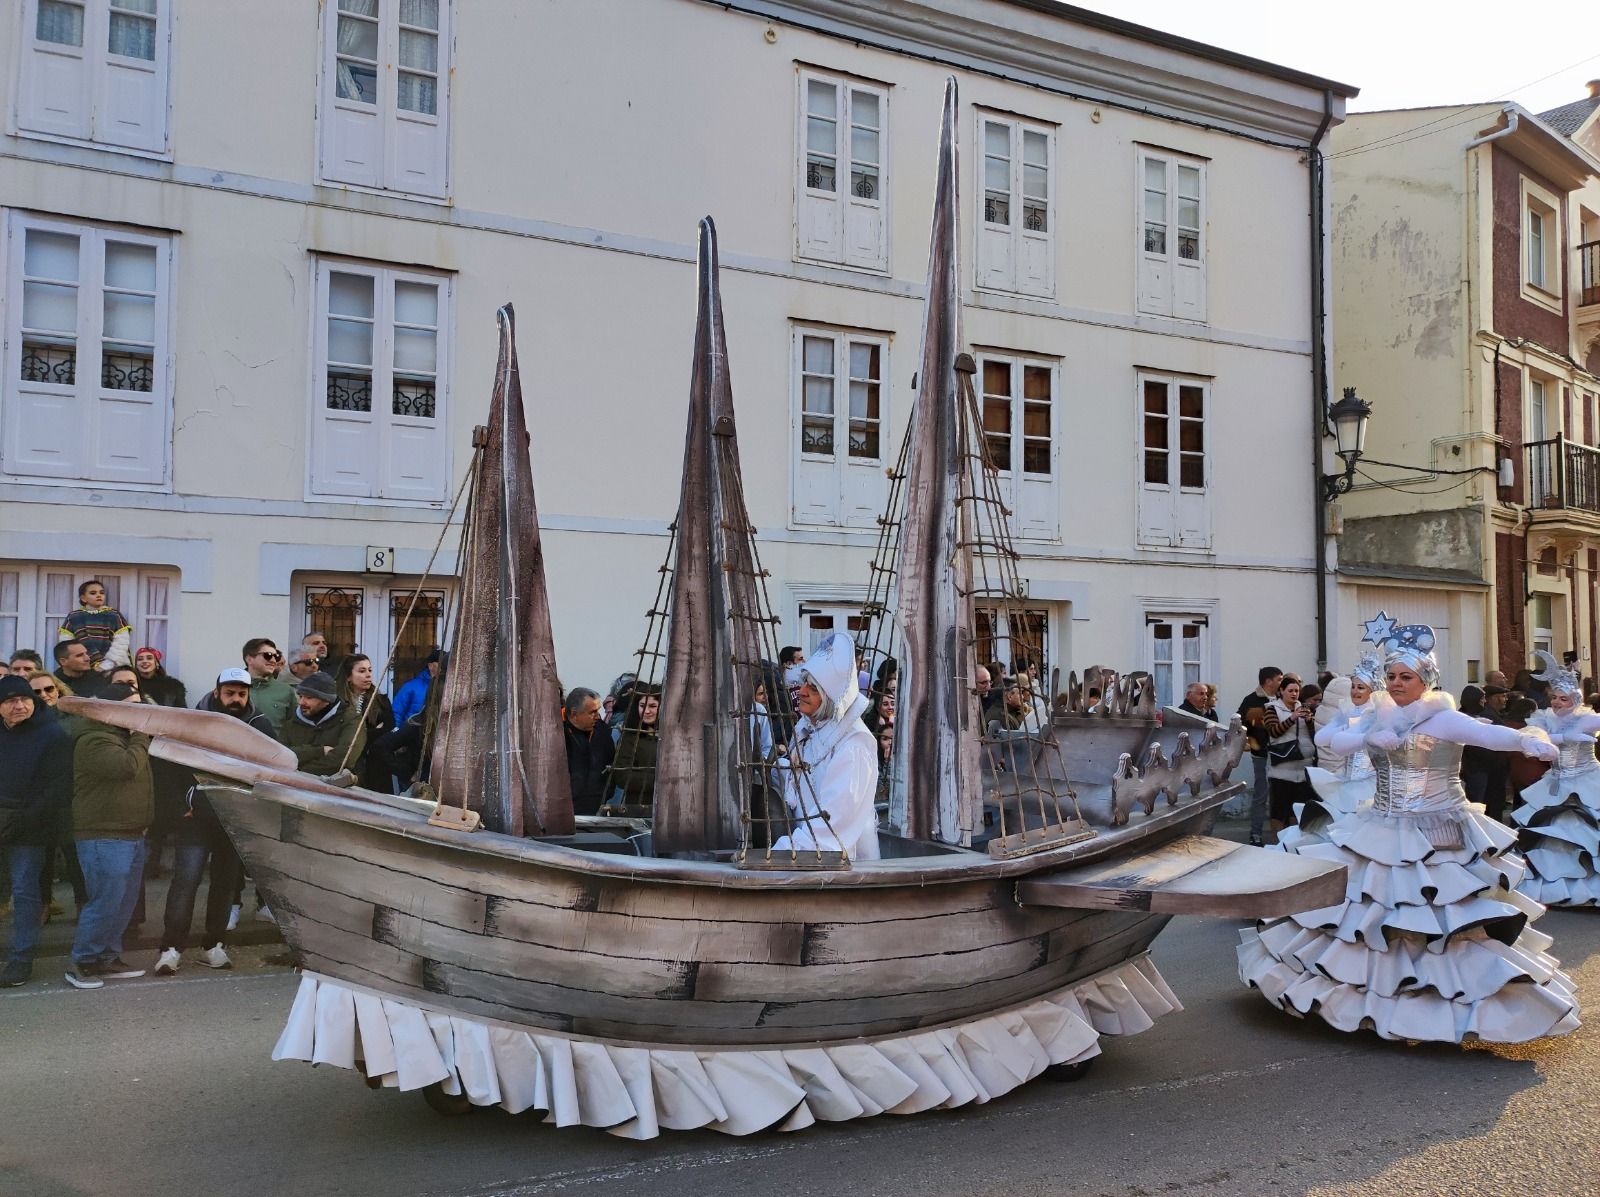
1562 473
1589 268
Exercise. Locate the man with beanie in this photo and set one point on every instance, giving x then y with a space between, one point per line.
326 734
113 803
35 782
839 758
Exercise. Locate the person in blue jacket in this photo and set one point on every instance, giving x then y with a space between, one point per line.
35 784
413 696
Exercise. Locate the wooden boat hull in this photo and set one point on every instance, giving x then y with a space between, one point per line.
624 956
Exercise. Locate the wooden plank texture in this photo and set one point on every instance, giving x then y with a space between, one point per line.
1194 875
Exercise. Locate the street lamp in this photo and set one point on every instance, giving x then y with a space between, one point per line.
1349 419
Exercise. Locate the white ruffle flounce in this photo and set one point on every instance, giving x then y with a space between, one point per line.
638 1090
1430 943
1561 837
1336 797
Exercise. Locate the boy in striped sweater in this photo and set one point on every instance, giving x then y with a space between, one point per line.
101 629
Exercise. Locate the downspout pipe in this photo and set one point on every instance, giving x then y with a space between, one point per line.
1319 371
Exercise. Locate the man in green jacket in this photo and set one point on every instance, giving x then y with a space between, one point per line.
326 733
113 804
270 695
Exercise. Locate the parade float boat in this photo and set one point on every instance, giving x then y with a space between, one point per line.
679 971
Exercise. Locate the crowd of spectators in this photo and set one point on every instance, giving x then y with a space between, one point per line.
89 799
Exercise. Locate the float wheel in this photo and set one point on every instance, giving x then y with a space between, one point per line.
451 1104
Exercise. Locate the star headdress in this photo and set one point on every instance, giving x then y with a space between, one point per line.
1409 644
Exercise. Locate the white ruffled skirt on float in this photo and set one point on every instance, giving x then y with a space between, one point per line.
638 1090
1430 943
1560 831
1336 797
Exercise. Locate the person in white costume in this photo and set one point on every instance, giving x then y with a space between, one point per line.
1343 781
1432 940
1560 813
833 763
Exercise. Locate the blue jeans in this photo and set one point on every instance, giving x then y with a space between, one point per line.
113 872
1258 796
188 864
27 911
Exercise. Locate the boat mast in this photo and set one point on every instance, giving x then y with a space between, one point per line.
714 636
935 793
500 742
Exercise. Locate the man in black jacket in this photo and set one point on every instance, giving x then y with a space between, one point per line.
589 751
35 782
197 837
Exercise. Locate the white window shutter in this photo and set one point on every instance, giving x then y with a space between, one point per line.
996 262
343 453
861 496
866 245
1035 268
53 90
44 434
1193 519
1037 508
1155 515
1155 284
414 461
131 108
1188 289
352 143
418 153
128 432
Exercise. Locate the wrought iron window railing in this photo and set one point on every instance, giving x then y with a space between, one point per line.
1562 473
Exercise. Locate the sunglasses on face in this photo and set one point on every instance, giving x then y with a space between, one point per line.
270 656
44 689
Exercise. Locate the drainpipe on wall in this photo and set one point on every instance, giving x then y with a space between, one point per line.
1319 373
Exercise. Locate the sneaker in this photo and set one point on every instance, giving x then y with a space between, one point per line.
1255 842
16 972
215 957
263 915
84 976
118 969
233 917
167 963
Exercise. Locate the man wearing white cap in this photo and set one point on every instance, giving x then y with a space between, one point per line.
833 765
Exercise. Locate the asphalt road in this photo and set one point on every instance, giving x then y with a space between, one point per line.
165 1086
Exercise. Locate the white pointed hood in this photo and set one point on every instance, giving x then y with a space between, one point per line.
833 667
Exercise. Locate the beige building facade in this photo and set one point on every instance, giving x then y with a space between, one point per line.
1463 312
253 252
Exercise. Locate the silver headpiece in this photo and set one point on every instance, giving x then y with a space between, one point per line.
1409 644
1560 681
1368 670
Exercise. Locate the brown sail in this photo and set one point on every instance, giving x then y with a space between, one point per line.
714 643
935 788
499 749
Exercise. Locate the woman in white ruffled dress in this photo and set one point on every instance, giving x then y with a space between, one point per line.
1432 941
1560 813
1342 781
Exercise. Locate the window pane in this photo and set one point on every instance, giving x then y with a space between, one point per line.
1189 183
1155 397
864 145
59 23
414 397
350 294
132 37
51 255
420 12
1189 213
350 342
1191 402
49 360
358 39
415 350
127 371
49 307
864 439
1035 182
417 93
817 396
1035 382
130 318
822 99
818 355
864 110
1155 175
1155 207
366 8
130 267
1035 148
357 82
996 377
1192 472
997 173
863 360
416 303
864 401
1155 432
349 392
419 50
1155 467
864 182
1191 436
821 135
1036 420
816 436
1036 457
997 207
148 7
1189 246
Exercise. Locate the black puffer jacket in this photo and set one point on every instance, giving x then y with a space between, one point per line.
588 757
35 777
